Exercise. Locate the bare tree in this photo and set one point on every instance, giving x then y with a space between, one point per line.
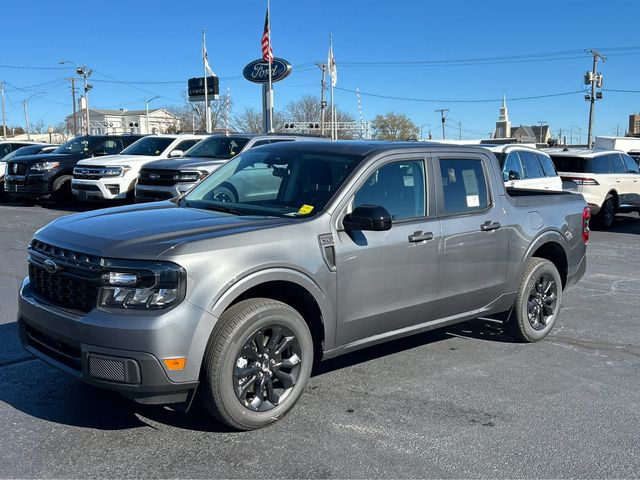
308 110
393 126
191 115
38 127
249 121
62 132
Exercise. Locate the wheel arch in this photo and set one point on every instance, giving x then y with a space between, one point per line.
293 288
550 246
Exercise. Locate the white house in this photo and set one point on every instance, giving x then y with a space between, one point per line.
103 122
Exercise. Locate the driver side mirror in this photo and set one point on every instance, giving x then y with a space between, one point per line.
175 153
368 217
513 175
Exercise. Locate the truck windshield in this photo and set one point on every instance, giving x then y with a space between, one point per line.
151 146
217 147
76 145
280 183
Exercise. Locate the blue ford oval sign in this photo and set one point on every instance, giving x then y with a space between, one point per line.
258 70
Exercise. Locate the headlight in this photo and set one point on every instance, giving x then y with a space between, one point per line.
114 171
42 166
190 176
142 285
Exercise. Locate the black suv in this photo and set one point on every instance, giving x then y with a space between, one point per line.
33 177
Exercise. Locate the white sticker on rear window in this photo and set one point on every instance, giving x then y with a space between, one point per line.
473 201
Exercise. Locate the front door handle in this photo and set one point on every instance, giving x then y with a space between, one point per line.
420 237
489 225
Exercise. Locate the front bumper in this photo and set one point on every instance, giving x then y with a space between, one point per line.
154 193
114 188
27 185
119 351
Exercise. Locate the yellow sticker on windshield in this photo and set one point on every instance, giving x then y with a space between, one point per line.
304 209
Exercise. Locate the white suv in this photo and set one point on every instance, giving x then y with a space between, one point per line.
609 180
528 168
114 177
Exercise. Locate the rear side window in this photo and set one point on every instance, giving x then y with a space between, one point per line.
632 166
547 165
110 147
617 164
532 168
599 164
464 186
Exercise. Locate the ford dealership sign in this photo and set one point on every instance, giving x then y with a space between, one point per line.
258 70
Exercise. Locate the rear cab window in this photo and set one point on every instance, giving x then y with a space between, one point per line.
464 186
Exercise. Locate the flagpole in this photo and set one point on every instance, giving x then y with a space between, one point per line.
270 101
206 89
333 121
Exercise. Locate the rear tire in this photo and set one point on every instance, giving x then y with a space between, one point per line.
537 304
607 213
257 363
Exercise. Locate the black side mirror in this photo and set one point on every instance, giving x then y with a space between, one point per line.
514 175
368 217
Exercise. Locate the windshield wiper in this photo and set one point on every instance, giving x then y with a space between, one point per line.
209 206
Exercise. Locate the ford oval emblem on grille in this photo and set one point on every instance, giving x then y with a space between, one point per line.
50 266
154 176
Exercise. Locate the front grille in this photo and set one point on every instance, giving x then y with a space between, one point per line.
73 286
85 187
157 177
63 352
146 196
14 168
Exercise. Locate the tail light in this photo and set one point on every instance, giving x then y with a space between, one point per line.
581 180
586 216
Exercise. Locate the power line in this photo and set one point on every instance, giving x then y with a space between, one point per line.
484 100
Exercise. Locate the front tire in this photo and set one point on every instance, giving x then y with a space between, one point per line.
257 363
537 302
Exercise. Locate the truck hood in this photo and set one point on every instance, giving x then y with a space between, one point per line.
145 231
49 157
189 163
117 160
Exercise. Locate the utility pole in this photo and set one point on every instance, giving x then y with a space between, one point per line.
323 104
444 119
4 119
594 79
541 123
26 117
73 100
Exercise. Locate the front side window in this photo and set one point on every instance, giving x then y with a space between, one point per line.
464 186
398 187
512 169
630 164
270 182
77 145
186 144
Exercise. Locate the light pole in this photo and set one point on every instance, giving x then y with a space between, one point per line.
421 127
25 103
85 72
147 104
579 134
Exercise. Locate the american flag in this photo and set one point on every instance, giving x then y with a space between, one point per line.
267 52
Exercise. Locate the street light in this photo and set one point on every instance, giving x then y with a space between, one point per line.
25 103
85 72
147 104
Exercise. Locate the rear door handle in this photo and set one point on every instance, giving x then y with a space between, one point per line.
489 225
420 237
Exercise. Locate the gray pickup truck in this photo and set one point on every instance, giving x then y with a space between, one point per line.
232 301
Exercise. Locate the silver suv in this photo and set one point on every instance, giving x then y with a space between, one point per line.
164 179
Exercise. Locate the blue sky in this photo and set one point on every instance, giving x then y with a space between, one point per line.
160 42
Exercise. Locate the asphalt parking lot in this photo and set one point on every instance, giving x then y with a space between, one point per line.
460 402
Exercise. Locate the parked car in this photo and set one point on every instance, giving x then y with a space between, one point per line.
114 177
361 243
524 167
8 146
41 176
164 179
29 149
608 179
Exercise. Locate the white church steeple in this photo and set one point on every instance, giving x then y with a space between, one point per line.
503 125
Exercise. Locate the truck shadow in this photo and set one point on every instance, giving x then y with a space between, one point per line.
41 391
624 223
